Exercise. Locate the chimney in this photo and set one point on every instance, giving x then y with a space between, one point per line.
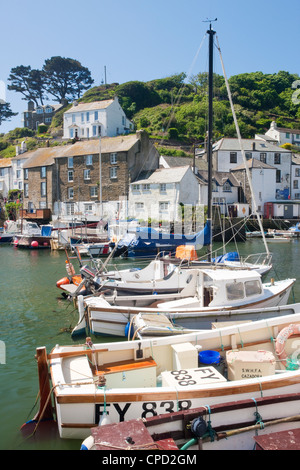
253 145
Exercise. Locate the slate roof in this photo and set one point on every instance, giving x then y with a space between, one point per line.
233 145
80 107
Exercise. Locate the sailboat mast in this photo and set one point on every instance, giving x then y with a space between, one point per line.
211 34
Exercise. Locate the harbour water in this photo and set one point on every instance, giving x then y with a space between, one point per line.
33 314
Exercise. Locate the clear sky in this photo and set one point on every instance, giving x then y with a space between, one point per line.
144 40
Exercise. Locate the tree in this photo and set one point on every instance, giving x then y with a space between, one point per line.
29 82
66 78
5 112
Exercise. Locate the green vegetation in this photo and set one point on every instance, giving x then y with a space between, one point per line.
175 109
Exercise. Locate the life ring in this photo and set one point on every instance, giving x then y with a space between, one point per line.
282 338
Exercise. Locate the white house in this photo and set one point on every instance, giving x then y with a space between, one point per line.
227 155
158 195
284 135
263 177
5 176
225 189
88 120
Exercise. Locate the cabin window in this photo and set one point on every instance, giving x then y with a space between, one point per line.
235 290
252 288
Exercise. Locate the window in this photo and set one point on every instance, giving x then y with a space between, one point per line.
48 109
2 172
89 160
70 162
227 187
215 187
139 205
295 184
297 172
18 174
70 193
287 135
70 208
93 191
94 131
71 133
135 187
248 155
263 157
88 208
146 187
87 117
82 117
39 111
48 120
163 187
277 159
278 176
25 189
113 173
252 288
73 117
43 189
96 115
163 206
26 174
18 163
86 174
70 176
20 185
233 157
235 290
43 172
42 205
113 158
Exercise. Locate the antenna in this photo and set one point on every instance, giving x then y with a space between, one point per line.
209 21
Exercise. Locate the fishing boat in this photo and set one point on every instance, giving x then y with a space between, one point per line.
217 295
10 229
140 379
31 235
237 425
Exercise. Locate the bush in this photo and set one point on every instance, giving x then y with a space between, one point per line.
173 133
42 129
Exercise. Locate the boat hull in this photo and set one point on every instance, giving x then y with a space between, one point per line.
112 319
135 392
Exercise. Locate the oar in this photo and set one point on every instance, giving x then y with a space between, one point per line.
233 432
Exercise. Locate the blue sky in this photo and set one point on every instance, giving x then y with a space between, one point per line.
144 40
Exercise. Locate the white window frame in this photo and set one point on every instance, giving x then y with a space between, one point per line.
163 187
94 191
86 174
113 158
89 160
164 205
70 176
113 172
70 193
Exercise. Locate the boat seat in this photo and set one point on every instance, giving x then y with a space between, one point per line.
125 366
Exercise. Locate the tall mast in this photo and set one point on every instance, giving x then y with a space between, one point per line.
211 34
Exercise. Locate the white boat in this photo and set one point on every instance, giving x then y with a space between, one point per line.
10 229
218 295
278 239
31 235
96 250
139 379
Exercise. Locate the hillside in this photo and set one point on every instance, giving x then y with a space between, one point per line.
172 109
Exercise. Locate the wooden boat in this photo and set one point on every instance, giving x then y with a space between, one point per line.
10 229
218 295
140 379
236 425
